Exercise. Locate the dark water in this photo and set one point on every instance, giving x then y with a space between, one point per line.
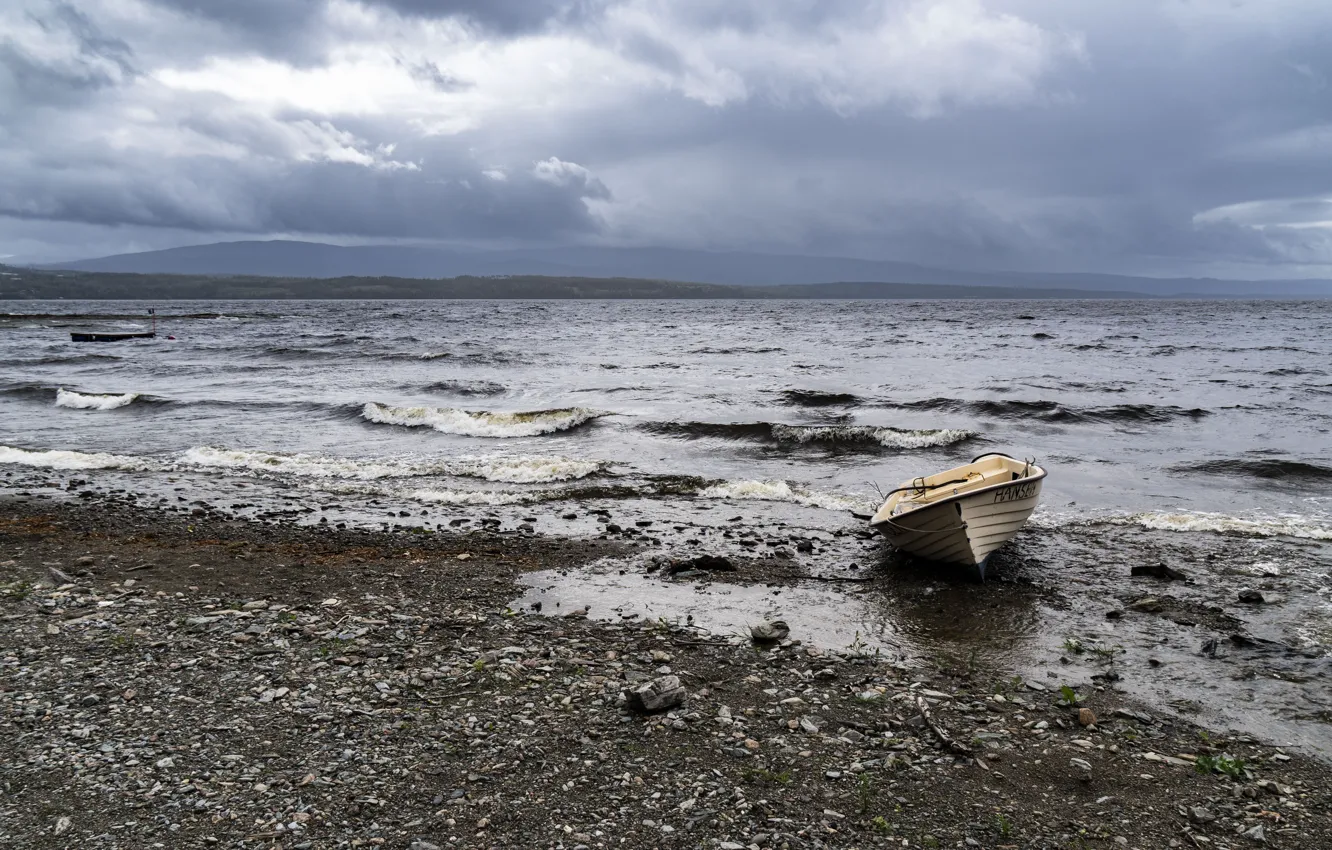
1166 427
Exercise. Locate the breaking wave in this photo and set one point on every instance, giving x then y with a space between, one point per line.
1053 411
783 491
500 468
1293 526
91 401
1274 469
59 459
835 435
475 497
481 423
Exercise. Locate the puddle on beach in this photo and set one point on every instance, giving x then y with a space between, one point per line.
1263 669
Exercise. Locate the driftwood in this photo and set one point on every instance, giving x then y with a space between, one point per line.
939 732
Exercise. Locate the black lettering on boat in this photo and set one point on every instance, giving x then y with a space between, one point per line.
1015 493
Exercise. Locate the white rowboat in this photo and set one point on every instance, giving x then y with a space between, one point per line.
961 515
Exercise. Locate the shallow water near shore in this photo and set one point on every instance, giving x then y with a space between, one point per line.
1186 433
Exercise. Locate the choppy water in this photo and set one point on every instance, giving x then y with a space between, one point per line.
1154 418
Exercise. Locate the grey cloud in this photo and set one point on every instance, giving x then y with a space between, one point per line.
503 16
94 60
208 194
429 72
1112 164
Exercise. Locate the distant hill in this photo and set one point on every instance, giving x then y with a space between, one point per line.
26 284
280 258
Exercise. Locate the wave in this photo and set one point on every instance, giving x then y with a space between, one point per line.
842 435
465 387
818 398
59 459
500 468
1301 527
526 469
482 423
783 491
1274 469
475 497
738 350
74 358
92 401
495 357
1053 411
298 353
36 392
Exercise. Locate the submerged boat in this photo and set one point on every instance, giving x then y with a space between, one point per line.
962 515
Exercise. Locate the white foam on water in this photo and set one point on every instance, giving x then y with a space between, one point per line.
91 401
525 469
304 465
58 459
782 491
474 497
503 468
1288 526
481 423
895 438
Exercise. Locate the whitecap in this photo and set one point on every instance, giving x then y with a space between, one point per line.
783 491
1287 526
474 497
92 401
481 423
502 468
895 438
60 459
525 469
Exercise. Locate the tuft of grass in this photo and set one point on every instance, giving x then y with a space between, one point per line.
881 825
762 775
1068 696
1224 764
1073 646
864 792
1003 824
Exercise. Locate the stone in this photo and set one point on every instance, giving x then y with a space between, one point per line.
1160 571
1200 814
770 631
1149 604
1086 717
1256 833
1251 597
708 563
657 695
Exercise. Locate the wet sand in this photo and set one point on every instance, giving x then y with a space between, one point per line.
191 679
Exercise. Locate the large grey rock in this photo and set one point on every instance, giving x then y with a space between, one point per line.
657 695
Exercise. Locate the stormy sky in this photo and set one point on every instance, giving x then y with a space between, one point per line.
1140 136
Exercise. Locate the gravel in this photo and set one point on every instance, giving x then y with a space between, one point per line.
235 685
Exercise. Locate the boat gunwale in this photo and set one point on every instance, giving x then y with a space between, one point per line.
957 497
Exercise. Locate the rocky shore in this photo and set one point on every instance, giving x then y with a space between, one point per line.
201 682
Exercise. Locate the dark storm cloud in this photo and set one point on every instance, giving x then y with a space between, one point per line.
91 60
503 16
335 198
273 23
1134 137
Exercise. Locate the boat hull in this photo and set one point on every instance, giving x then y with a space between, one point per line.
965 528
80 336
